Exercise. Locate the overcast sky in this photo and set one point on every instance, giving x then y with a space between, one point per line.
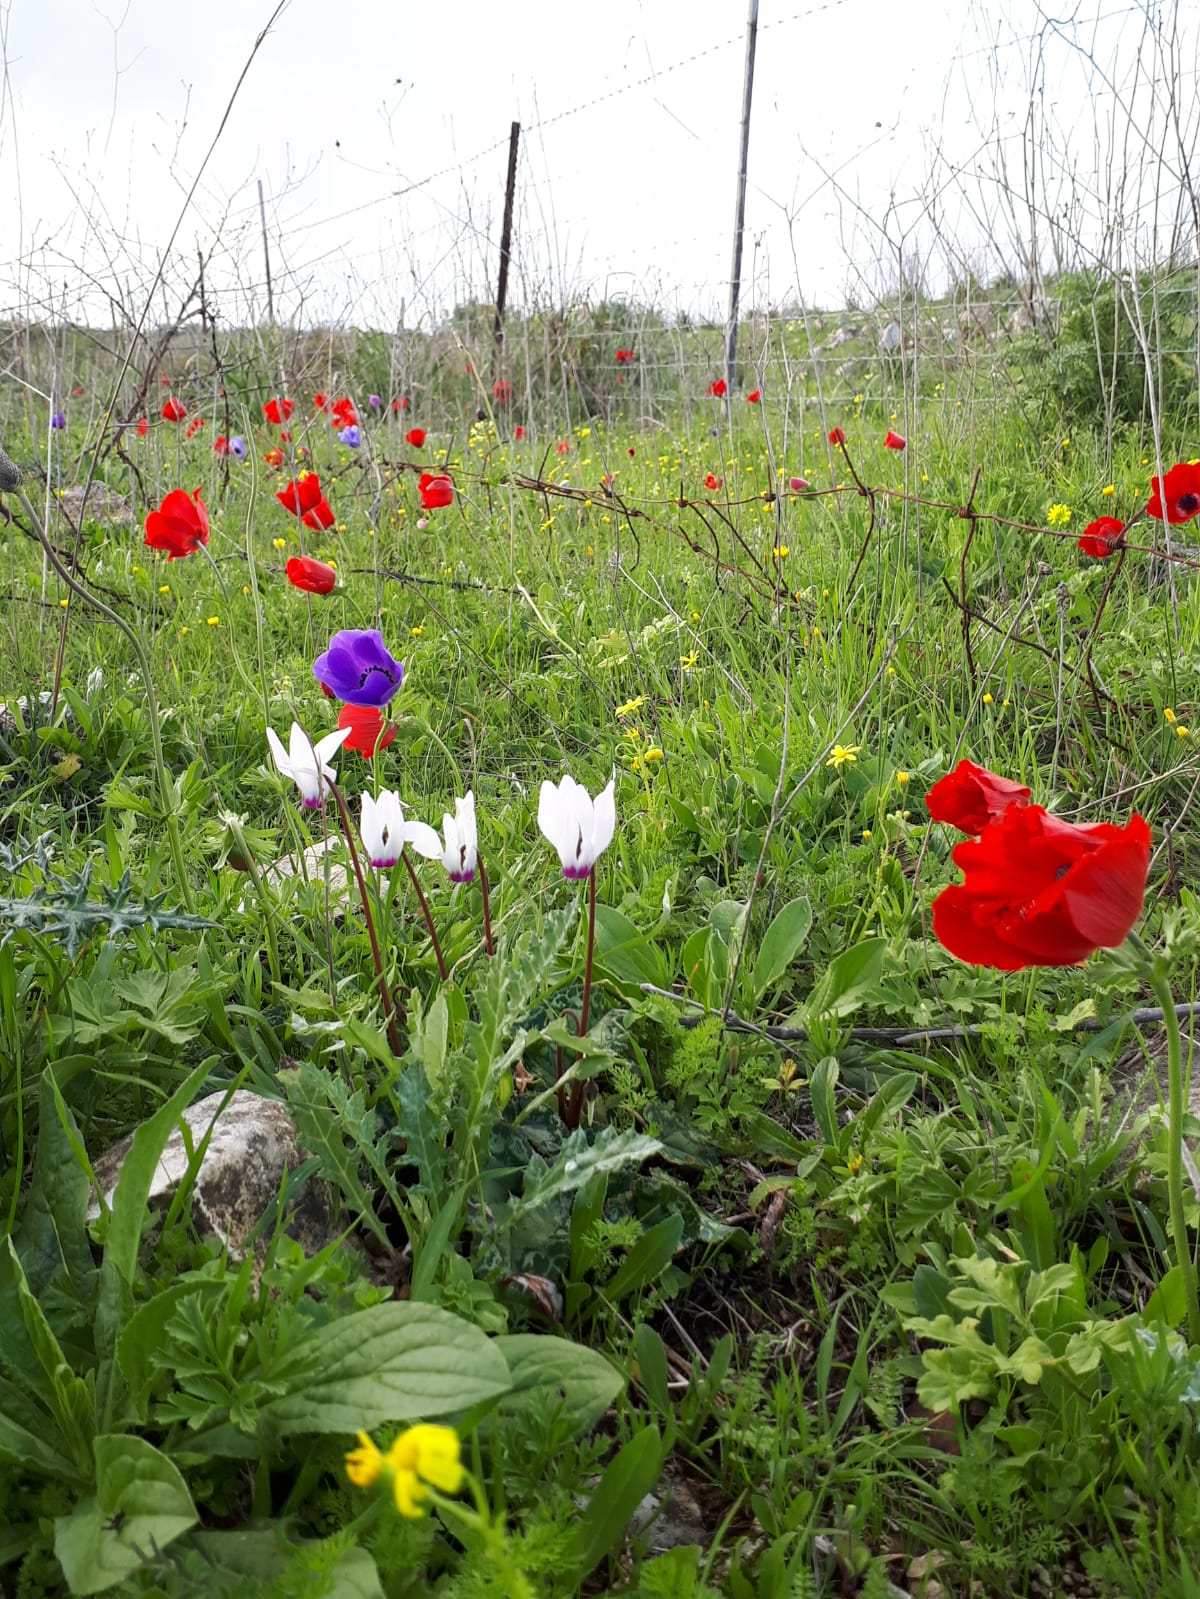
109 107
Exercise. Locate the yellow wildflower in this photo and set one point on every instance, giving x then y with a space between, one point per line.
1109 488
631 705
987 699
1181 731
64 603
866 834
653 754
843 755
688 661
421 1455
213 621
780 551
902 778
164 588
280 544
1058 515
1169 715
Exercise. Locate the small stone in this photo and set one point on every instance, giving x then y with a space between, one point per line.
254 1145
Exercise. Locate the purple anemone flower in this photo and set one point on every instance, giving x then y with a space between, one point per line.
237 446
374 401
358 668
351 436
59 420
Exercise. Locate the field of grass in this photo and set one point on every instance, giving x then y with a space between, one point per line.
856 1304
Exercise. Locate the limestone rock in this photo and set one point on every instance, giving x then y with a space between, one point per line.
254 1145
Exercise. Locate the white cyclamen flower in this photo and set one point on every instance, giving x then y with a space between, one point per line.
385 832
461 853
306 763
580 828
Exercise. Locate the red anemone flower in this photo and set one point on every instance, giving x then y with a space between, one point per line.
625 357
837 435
220 445
1176 496
194 427
343 413
1038 891
143 427
563 447
502 391
718 389
369 732
400 403
754 396
303 498
77 392
173 410
436 490
273 458
314 577
179 526
416 437
518 432
712 481
320 400
1103 537
894 441
970 797
278 410
631 452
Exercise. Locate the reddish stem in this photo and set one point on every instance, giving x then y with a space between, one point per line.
385 993
427 914
573 1109
486 893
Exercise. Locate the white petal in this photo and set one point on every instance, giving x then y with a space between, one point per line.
278 753
371 825
551 815
423 839
605 823
331 742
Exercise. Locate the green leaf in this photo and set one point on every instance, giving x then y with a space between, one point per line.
545 1368
849 980
781 943
824 1102
265 1556
647 1260
144 1331
142 1504
52 1237
629 1478
578 1161
625 953
393 1362
340 1131
1168 1302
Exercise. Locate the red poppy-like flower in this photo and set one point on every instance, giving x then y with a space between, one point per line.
285 435
631 452
143 427
278 410
502 391
77 392
179 526
343 413
164 379
273 458
894 441
220 445
518 432
837 435
562 447
320 401
712 481
400 403
799 485
194 427
314 577
303 498
718 389
754 396
173 410
970 797
416 437
1176 496
625 357
369 732
436 490
1038 891
1103 537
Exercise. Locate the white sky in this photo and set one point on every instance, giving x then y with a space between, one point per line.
109 106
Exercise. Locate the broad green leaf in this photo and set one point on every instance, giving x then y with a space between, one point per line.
52 1236
142 1504
781 943
849 980
824 1103
578 1161
625 953
545 1368
647 1260
628 1479
652 1374
393 1362
1168 1302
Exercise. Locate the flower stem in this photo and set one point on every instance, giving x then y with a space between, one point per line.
427 914
1176 1110
486 894
385 993
573 1109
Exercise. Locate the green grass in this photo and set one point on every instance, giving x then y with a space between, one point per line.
752 1275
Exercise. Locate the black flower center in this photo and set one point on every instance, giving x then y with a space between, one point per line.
1188 504
386 671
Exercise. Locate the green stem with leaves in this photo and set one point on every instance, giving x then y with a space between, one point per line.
1176 1111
